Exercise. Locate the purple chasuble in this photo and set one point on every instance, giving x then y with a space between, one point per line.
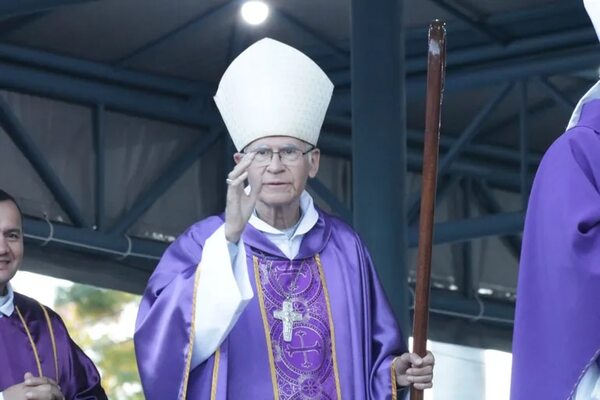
344 335
557 321
72 369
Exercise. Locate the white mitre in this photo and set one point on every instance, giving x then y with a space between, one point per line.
593 9
272 89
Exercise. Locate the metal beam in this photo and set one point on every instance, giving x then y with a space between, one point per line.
92 242
540 44
238 41
447 182
140 102
338 144
496 176
105 272
490 72
557 39
379 142
196 21
332 201
18 134
544 43
171 173
496 153
342 54
552 10
567 105
99 137
557 26
463 140
473 129
515 68
524 145
444 302
104 73
16 23
473 228
535 109
490 204
22 7
468 284
474 24
493 171
113 96
493 165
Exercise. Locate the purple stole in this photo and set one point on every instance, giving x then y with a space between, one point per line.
305 365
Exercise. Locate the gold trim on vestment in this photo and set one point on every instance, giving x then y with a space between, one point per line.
263 312
31 342
215 377
188 362
331 327
394 383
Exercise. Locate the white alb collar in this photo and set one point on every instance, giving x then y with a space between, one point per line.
7 304
592 94
309 218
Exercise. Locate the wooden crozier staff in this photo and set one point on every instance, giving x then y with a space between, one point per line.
436 63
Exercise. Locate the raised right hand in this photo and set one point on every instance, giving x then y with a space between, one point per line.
239 205
34 388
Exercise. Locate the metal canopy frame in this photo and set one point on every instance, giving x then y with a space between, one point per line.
496 60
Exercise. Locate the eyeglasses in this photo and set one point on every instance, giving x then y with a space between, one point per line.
287 154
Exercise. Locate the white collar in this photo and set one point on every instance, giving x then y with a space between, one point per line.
309 218
7 304
592 94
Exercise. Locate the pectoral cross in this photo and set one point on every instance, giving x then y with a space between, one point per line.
288 316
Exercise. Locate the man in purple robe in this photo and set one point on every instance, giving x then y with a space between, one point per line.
275 299
39 359
557 323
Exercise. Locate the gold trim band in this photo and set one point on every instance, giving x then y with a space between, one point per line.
31 342
261 300
394 383
215 377
331 327
188 361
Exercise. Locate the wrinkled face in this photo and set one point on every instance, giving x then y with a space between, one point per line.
11 242
283 176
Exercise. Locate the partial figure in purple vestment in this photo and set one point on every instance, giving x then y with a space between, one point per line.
557 323
274 299
39 359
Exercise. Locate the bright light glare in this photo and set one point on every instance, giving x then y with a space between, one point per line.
255 12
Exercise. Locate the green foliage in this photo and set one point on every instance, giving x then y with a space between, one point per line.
94 304
93 317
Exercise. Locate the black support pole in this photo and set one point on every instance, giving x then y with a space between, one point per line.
379 142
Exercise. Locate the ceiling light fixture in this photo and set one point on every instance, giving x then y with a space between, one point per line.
255 12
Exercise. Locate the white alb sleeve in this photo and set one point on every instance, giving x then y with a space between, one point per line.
589 386
223 292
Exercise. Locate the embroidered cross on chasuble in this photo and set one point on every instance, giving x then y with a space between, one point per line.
297 319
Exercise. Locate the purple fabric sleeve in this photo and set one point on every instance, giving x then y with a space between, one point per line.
557 316
165 317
